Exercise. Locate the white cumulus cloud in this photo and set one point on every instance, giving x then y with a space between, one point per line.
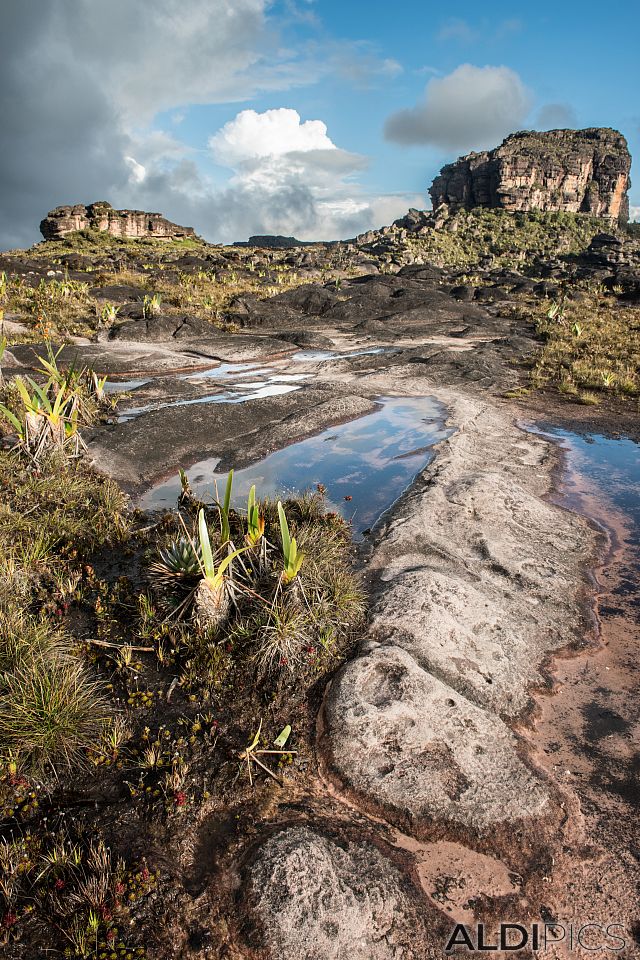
472 107
273 133
287 177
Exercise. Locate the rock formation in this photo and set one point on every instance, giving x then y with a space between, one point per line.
581 171
118 223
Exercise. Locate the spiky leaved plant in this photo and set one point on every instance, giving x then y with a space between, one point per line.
212 594
292 559
178 562
255 519
151 306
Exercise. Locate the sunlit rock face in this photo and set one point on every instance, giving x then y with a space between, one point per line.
119 223
580 171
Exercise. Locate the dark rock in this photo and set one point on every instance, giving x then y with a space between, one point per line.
118 293
76 261
310 299
582 171
273 242
307 339
158 329
421 271
462 292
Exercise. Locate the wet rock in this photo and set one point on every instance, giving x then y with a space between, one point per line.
322 898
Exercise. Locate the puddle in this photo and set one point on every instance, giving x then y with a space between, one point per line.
607 469
255 392
371 461
318 356
224 370
240 381
613 464
123 386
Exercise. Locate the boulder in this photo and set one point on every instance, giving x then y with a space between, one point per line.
317 897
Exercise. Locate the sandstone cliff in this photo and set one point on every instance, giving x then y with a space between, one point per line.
581 171
118 223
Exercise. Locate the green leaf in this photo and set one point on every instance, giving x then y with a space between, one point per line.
11 417
225 531
282 737
205 545
227 492
224 563
256 739
284 532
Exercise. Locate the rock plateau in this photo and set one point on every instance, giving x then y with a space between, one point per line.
580 171
118 223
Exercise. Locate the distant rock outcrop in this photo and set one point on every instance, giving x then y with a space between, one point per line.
581 171
272 242
119 223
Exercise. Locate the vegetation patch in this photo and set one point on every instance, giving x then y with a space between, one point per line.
153 671
591 346
503 238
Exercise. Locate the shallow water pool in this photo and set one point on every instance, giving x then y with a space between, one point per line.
608 469
365 464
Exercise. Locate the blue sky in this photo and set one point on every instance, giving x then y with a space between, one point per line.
212 111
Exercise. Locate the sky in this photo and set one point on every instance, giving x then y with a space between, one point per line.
314 118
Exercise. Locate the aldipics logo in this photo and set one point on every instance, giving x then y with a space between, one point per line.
538 937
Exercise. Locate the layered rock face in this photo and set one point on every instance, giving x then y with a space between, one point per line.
580 171
118 223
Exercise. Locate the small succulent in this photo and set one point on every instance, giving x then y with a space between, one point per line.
179 560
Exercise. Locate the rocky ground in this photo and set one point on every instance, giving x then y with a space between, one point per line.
429 794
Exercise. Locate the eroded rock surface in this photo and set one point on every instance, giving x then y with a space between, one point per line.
406 739
581 171
318 898
479 578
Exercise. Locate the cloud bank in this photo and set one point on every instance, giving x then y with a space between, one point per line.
81 82
287 177
472 107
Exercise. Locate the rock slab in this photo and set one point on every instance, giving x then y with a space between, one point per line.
323 898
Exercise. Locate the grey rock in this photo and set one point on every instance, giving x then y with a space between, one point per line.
319 898
406 740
